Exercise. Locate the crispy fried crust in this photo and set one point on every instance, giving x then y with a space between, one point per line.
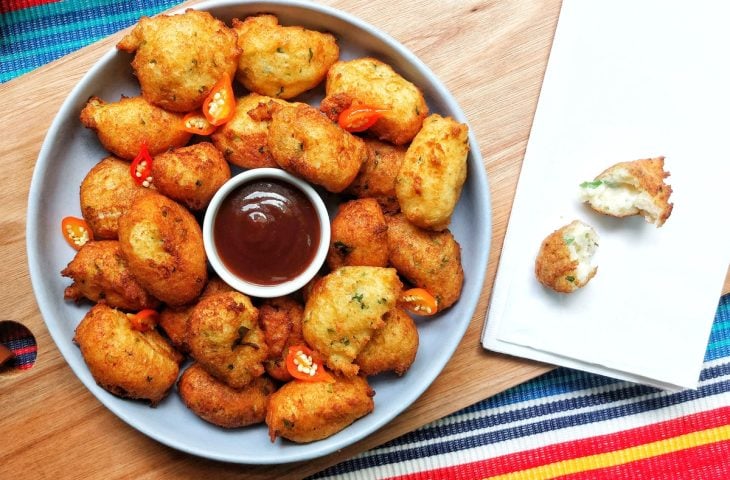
371 82
430 260
376 178
123 126
225 338
105 194
555 267
244 139
99 272
282 61
392 348
219 404
190 175
123 361
281 320
433 172
344 310
358 235
308 411
179 58
163 246
304 142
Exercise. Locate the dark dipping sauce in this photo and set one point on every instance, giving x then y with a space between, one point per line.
266 232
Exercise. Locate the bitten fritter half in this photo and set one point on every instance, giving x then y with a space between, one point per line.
282 61
433 172
106 193
565 260
126 362
217 403
370 82
99 272
305 143
123 126
358 235
179 58
163 246
430 260
631 188
308 411
344 310
190 175
225 338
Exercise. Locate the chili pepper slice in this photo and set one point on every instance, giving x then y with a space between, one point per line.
419 301
141 167
76 232
359 118
304 364
220 104
195 122
144 320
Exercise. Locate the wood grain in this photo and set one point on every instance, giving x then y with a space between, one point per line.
490 54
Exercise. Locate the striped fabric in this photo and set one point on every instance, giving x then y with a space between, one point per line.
565 424
573 425
18 338
35 32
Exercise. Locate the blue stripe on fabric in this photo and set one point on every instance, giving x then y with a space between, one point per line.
521 431
32 37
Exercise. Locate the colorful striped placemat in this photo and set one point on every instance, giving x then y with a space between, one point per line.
564 424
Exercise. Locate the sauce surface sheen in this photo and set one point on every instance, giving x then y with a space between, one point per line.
266 232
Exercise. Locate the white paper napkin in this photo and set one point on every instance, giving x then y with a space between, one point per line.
625 80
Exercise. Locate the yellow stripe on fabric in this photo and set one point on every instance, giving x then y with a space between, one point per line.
620 457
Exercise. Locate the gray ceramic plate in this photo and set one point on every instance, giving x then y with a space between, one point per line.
68 153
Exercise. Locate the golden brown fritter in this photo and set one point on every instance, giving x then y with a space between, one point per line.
281 320
244 138
304 142
219 404
430 260
190 175
163 245
106 192
344 310
225 338
282 61
303 411
392 348
376 178
631 188
174 320
99 272
124 361
359 235
433 172
179 58
123 126
564 260
373 83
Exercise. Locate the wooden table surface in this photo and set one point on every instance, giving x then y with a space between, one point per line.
490 54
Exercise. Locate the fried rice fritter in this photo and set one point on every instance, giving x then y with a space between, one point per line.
282 61
304 412
392 348
179 58
376 178
281 320
163 246
124 361
99 272
359 235
224 406
123 126
564 262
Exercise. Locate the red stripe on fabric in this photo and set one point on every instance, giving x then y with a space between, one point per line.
706 462
11 5
24 350
579 448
